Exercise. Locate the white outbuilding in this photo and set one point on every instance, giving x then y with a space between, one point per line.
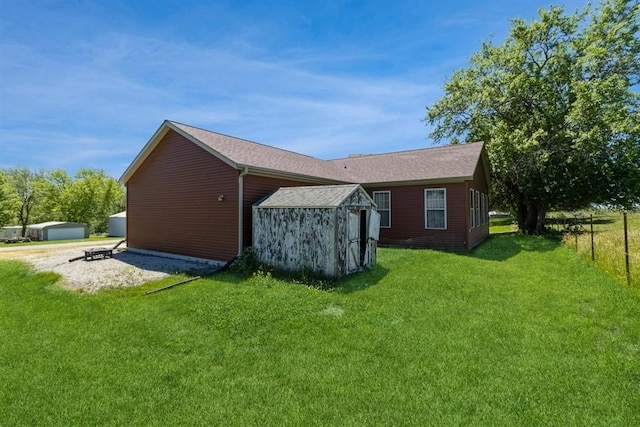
118 224
11 232
331 229
55 230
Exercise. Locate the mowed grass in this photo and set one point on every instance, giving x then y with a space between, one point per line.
502 225
608 236
522 331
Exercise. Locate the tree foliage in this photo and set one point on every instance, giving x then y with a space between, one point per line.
52 195
557 107
22 196
5 201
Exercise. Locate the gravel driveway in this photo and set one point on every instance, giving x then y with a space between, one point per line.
126 268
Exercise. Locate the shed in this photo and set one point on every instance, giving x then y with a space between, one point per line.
118 224
55 230
11 232
332 229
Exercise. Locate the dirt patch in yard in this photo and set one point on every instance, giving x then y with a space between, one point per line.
124 269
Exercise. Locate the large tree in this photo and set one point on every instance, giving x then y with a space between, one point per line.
557 106
6 200
22 194
91 198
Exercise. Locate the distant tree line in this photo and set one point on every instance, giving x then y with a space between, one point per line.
32 196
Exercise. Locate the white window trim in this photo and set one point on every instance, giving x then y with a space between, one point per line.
425 208
484 209
478 209
374 198
472 209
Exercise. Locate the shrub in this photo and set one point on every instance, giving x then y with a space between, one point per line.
246 264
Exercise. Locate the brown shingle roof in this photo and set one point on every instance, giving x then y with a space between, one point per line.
447 162
264 157
451 162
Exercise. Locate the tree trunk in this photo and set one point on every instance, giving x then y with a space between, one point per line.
531 219
541 219
521 214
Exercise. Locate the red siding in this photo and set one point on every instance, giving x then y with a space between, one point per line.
172 202
479 233
408 218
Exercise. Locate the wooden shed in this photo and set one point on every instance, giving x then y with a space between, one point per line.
329 229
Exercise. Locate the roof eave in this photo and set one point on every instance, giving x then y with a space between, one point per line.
155 140
144 153
451 180
272 173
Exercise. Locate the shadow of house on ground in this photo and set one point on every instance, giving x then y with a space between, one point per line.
164 264
505 246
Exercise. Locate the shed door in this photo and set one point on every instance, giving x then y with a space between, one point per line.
374 225
65 233
353 251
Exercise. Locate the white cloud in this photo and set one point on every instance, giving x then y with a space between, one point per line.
95 102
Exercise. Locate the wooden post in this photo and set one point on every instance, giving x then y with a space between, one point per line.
626 248
575 231
593 253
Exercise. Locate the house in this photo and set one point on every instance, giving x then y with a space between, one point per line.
327 229
191 191
56 230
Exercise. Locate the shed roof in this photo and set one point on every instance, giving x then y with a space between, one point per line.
54 223
323 196
451 162
122 214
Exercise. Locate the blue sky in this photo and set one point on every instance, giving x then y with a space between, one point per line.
86 83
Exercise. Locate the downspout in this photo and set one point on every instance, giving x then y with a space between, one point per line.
241 208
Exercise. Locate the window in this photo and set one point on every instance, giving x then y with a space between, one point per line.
485 203
472 209
435 206
477 208
383 201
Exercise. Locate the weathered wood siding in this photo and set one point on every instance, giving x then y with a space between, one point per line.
172 202
256 188
349 234
408 218
315 238
293 239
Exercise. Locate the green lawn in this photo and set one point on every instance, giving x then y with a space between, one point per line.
501 225
522 331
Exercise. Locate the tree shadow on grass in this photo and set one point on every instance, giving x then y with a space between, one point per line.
501 247
361 280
